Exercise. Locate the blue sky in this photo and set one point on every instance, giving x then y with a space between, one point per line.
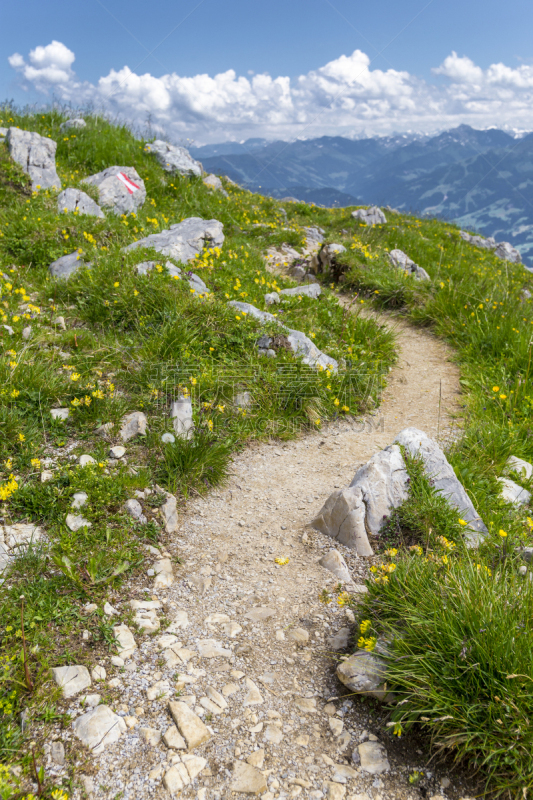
403 43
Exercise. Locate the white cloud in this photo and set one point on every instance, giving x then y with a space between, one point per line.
343 97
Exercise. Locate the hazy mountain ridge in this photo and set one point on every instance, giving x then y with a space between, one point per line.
483 179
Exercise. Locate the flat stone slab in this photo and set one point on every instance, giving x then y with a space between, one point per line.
189 724
36 155
174 158
310 290
78 202
99 728
20 534
260 613
513 493
247 779
210 648
119 188
72 680
125 641
185 240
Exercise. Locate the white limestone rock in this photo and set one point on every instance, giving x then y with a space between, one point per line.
20 534
60 413
72 680
189 724
174 158
213 182
99 728
135 510
438 469
126 644
181 414
299 343
76 201
373 758
377 488
133 424
513 493
523 468
312 290
65 266
75 522
401 260
364 673
507 252
36 155
119 188
169 512
247 779
370 216
76 123
335 563
185 240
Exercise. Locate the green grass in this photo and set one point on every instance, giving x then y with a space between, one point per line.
134 343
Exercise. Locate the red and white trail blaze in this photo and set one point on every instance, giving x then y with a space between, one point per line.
128 183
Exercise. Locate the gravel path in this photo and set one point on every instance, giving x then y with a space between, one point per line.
254 649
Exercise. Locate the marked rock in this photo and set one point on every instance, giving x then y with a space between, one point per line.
99 728
78 202
71 680
185 240
119 188
189 724
174 158
247 779
36 155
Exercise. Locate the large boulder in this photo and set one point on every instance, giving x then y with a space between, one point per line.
445 481
185 240
370 216
173 158
67 265
379 486
401 260
299 343
507 252
119 188
78 202
36 155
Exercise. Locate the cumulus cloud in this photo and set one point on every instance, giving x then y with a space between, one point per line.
345 96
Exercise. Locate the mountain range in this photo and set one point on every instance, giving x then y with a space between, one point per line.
482 179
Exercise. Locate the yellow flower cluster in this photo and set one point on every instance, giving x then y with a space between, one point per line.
9 488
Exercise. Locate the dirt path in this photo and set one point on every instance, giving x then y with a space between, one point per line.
277 671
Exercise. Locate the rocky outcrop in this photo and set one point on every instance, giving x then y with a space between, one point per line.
78 202
370 216
119 188
299 343
36 155
381 485
401 260
503 250
174 158
185 240
350 514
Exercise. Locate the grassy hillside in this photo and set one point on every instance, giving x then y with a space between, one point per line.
460 620
134 343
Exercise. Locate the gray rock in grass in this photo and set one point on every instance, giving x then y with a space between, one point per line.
78 202
370 216
36 155
99 728
185 240
119 188
524 468
401 260
174 158
513 493
65 266
73 123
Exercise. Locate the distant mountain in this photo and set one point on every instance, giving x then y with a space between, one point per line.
481 179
